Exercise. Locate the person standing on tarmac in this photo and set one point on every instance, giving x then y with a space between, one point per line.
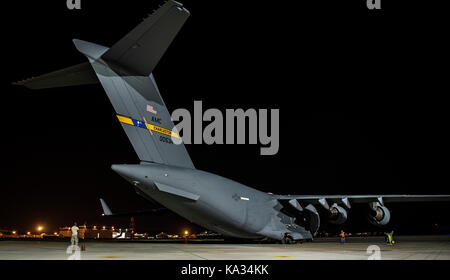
342 235
74 239
390 238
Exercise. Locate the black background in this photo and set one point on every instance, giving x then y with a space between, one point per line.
361 95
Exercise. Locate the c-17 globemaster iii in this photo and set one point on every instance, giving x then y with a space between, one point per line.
166 173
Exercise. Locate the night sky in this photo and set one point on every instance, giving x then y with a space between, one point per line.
361 94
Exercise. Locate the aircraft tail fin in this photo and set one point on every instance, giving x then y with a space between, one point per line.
124 71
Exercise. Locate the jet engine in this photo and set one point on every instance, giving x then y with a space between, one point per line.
338 215
312 219
306 217
379 215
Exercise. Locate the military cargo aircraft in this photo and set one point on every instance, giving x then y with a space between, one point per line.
166 173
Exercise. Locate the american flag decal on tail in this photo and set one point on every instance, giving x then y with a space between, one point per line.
151 110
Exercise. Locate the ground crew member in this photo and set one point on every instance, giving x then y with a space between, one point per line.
390 238
74 239
342 235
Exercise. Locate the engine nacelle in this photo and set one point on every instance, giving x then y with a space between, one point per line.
306 217
379 215
338 215
313 219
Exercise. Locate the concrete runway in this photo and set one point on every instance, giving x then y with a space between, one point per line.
406 248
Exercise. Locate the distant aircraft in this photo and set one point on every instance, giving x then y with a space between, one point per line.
166 173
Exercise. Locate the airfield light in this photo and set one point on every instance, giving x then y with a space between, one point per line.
103 214
39 228
55 233
28 233
14 232
186 232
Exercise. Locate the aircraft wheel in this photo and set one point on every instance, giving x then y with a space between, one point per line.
287 239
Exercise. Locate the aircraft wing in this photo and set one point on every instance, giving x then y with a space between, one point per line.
347 200
107 211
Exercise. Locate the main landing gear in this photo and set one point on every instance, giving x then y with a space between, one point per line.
287 239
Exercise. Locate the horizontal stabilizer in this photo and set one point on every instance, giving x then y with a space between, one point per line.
141 49
91 50
80 74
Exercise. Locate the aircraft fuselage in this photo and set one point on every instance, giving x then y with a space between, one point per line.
211 201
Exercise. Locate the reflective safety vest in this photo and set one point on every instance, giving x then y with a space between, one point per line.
342 234
390 237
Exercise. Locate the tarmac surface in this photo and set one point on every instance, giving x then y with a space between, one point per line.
356 248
